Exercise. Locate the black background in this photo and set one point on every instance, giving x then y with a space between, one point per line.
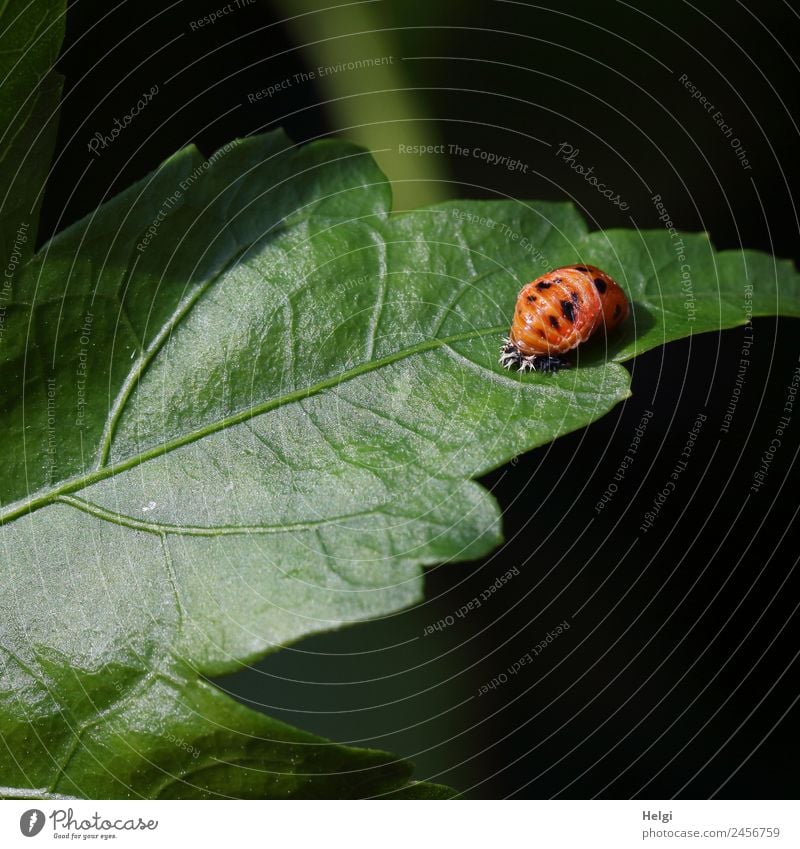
678 674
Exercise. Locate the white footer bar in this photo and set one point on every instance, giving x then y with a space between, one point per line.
403 824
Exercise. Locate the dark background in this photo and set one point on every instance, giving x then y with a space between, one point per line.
678 674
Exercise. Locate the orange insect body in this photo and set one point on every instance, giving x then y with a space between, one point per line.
558 311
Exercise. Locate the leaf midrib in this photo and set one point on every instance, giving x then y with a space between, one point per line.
24 506
151 351
163 529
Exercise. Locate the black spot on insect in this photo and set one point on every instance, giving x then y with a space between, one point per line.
553 321
580 268
531 298
617 311
541 286
574 297
600 284
568 310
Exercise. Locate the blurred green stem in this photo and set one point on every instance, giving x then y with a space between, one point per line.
372 106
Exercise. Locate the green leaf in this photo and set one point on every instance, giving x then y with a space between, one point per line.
242 403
